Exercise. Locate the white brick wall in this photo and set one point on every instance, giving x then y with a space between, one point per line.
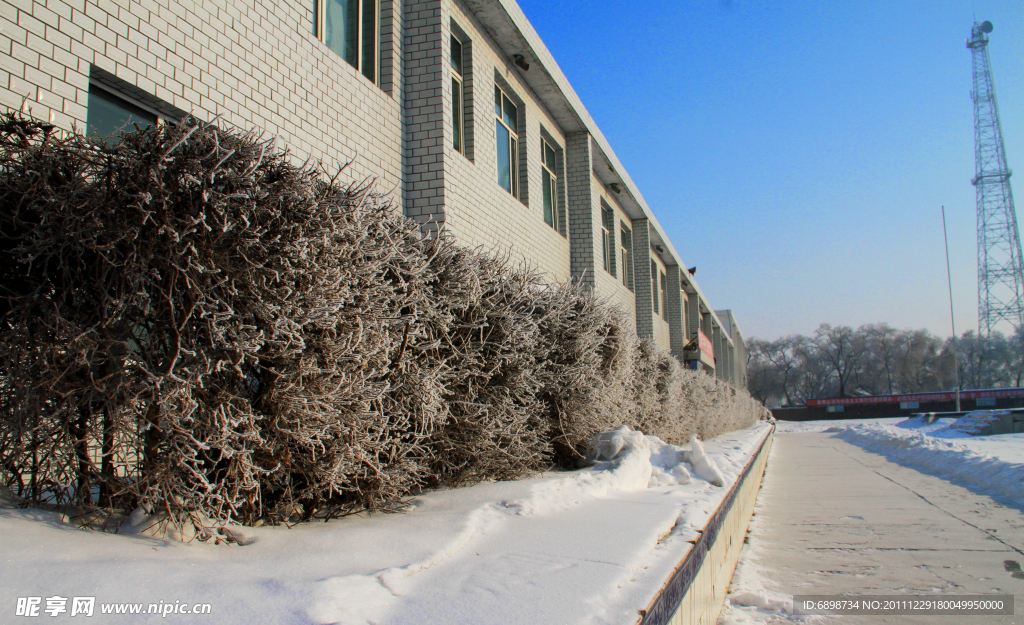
256 64
609 284
661 328
464 191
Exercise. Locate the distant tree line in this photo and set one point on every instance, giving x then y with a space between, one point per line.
878 359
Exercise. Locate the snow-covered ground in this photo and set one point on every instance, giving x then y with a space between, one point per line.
589 546
987 464
753 598
798 427
992 464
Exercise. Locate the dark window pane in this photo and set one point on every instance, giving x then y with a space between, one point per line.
504 160
497 102
654 284
369 59
457 114
549 200
109 115
549 157
341 28
514 165
664 298
456 55
606 249
510 114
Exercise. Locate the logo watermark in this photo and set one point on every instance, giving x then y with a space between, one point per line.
87 606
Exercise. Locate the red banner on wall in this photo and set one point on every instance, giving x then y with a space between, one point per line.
704 343
892 399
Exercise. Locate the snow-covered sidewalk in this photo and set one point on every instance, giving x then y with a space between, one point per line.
589 546
886 507
991 464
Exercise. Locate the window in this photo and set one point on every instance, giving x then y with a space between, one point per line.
627 257
607 223
654 286
549 179
349 27
508 141
664 297
109 115
684 305
458 99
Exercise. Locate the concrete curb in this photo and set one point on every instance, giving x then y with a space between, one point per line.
695 592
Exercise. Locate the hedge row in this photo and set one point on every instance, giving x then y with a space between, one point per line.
195 325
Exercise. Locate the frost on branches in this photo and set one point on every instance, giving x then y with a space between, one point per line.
194 326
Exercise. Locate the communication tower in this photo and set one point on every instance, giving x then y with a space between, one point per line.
1000 268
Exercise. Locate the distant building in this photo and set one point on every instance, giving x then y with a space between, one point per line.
456 105
870 406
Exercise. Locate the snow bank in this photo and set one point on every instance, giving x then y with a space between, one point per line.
624 461
808 427
702 465
993 464
587 546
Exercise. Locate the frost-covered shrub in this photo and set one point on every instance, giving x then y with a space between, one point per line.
195 326
586 369
487 350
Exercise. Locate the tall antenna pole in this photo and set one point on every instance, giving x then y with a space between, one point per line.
1000 267
949 279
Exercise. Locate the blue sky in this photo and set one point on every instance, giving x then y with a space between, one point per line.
799 152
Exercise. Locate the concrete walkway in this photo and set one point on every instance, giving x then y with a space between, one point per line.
833 518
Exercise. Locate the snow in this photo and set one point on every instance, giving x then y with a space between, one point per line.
991 464
588 546
753 599
798 427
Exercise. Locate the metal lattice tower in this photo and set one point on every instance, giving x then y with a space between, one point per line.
1000 269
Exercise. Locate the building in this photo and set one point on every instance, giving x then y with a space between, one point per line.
457 105
735 350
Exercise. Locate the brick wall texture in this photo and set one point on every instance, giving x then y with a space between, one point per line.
258 64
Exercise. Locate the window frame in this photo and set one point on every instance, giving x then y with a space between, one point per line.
684 304
626 243
361 43
118 99
607 223
500 97
655 271
549 182
664 295
458 94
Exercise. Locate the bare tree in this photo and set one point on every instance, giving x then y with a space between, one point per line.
879 359
816 376
844 349
883 347
1015 357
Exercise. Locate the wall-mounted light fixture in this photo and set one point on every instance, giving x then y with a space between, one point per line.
520 62
615 187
